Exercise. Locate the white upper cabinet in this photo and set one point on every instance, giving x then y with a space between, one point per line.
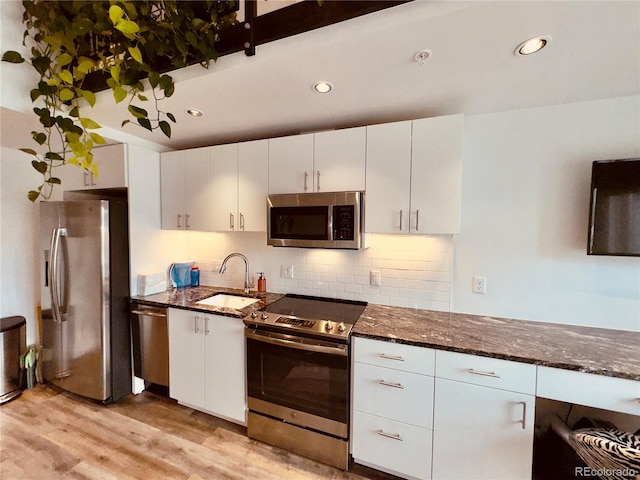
185 190
436 175
112 170
339 160
388 178
253 185
414 175
224 187
291 164
330 161
239 182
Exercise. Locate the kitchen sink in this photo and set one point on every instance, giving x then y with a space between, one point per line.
228 301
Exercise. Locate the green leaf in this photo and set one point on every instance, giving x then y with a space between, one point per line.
166 128
72 137
145 123
73 161
154 79
85 65
54 181
191 38
127 27
137 111
119 94
33 195
12 57
142 98
74 112
136 54
89 96
124 122
97 138
29 151
52 156
165 81
115 73
115 14
65 76
35 93
41 64
39 137
66 95
171 117
41 167
168 91
64 59
88 123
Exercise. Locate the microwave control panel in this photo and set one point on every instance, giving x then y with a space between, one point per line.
343 222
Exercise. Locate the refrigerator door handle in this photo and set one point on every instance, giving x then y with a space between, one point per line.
53 272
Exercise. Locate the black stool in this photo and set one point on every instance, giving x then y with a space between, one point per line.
13 345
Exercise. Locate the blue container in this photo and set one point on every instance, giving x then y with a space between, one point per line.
195 276
180 273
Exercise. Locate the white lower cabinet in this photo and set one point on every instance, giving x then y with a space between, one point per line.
480 431
392 407
207 363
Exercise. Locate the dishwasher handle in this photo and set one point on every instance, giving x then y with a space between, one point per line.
149 313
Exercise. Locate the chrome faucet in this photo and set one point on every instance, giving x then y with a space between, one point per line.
223 268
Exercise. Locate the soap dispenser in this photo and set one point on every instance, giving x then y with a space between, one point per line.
262 283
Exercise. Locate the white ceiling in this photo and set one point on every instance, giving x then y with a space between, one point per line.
595 53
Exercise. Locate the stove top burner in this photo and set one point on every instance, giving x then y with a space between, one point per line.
316 316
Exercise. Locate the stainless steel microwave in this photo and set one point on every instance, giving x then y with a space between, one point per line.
318 220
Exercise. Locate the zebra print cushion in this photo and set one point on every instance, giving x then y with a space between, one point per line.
611 453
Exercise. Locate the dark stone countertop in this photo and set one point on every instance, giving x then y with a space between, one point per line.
614 353
186 298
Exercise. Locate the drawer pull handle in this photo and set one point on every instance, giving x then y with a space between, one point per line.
524 415
394 436
484 374
391 357
391 384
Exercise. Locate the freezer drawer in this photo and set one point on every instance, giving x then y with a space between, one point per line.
150 344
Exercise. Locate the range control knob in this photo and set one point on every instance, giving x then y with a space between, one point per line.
328 326
254 315
264 316
342 327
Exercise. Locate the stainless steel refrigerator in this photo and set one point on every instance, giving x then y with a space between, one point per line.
85 277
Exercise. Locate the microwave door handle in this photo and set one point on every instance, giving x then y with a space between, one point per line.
330 213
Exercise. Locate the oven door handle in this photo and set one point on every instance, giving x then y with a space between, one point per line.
276 339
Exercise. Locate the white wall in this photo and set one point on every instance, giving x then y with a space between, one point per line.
525 196
19 258
151 249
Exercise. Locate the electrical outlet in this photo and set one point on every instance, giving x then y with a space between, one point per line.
374 277
479 284
286 271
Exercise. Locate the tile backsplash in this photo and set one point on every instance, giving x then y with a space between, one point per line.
415 271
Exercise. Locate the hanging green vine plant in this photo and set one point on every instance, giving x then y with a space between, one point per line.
127 42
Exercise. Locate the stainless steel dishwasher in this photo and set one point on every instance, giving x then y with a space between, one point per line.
150 344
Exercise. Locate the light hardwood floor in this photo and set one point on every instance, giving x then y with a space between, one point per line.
46 434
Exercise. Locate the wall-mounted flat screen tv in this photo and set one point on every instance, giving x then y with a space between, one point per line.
614 212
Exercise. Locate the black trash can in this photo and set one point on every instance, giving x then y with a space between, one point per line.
13 344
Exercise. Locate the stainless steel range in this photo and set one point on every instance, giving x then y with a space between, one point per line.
298 380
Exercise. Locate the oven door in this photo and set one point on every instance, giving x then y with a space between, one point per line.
299 380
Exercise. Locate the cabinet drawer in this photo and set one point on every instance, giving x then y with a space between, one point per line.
394 355
385 392
390 446
488 372
609 393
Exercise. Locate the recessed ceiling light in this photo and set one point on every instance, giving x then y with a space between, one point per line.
322 87
194 112
422 56
532 45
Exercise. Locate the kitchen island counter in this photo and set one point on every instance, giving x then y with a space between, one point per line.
613 353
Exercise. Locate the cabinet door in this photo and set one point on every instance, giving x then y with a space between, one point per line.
112 172
339 160
481 432
186 356
291 164
436 175
224 187
225 392
172 190
388 175
253 185
197 189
